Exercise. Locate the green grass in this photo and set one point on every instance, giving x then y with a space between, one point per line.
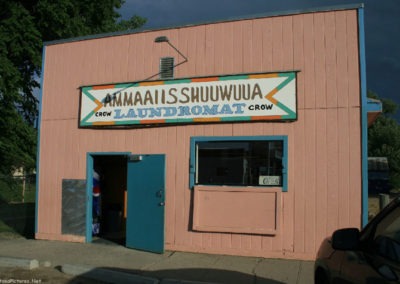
5 228
17 216
11 190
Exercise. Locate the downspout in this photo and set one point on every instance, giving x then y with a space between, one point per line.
39 123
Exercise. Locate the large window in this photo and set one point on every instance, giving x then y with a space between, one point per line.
239 161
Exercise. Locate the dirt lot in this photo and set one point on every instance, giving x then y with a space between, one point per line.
373 204
39 276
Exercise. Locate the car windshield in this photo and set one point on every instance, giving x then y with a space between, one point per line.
387 236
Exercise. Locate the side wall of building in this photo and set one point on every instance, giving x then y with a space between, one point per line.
324 144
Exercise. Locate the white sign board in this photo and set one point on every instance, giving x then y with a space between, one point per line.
250 97
269 180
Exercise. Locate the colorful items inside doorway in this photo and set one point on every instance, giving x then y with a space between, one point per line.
96 213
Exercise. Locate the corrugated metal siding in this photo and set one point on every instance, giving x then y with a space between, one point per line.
324 188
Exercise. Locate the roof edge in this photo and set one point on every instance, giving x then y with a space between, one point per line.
232 19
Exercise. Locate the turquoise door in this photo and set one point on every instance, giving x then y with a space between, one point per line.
145 203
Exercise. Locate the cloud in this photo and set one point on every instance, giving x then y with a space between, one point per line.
382 26
176 12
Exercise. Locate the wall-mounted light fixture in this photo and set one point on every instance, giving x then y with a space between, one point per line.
166 63
160 39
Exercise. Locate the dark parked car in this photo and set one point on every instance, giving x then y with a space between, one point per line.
369 256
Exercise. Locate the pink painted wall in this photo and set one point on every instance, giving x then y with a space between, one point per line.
324 165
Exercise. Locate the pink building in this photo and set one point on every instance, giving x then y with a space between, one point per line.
244 137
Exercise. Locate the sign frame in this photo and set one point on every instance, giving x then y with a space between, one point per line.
212 99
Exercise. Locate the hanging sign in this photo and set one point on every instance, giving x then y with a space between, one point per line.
250 97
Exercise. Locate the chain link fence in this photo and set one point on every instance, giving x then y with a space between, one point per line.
17 206
17 189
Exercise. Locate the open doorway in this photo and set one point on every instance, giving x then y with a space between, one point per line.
109 198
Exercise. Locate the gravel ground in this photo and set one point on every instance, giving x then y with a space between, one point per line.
16 275
373 204
38 275
9 236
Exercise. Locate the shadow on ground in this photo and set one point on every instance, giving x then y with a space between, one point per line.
17 218
173 276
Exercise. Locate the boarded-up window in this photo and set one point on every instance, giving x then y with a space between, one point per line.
73 218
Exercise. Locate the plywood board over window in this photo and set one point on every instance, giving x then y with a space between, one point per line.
236 210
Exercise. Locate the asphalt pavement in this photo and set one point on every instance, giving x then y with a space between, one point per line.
112 263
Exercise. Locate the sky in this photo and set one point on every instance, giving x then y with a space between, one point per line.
382 27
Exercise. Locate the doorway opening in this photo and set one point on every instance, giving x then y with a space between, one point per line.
109 198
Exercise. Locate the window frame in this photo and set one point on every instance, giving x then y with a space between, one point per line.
197 139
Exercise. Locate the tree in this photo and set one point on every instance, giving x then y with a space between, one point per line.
24 26
384 138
